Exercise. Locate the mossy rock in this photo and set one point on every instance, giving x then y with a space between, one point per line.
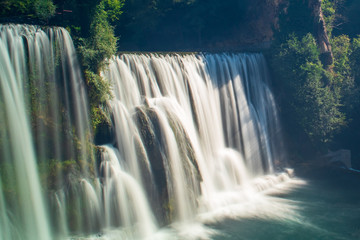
104 133
149 128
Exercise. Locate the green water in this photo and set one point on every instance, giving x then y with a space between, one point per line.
326 208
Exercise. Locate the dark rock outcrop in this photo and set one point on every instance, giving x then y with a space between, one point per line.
157 152
321 35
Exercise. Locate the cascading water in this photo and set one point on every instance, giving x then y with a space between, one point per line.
205 121
191 133
19 150
44 123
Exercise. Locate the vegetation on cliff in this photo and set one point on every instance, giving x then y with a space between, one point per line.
309 101
315 72
95 51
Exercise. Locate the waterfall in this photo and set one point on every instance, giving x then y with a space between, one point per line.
19 149
207 124
45 126
191 133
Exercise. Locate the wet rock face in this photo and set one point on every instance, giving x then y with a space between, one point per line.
153 142
104 134
149 129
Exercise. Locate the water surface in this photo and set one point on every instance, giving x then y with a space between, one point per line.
326 207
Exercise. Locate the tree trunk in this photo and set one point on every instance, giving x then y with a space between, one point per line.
321 35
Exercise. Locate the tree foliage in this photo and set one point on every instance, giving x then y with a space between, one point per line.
113 9
101 44
13 7
39 9
329 10
99 93
44 9
355 59
317 103
95 51
309 102
344 74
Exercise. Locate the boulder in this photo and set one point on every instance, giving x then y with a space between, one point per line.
340 158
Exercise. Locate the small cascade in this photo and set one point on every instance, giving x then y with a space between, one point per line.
124 200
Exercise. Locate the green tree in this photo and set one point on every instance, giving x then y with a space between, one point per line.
343 73
38 9
113 9
355 58
95 51
310 104
329 11
15 7
101 44
44 9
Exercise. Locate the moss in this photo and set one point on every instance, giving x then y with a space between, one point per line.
54 173
99 91
99 88
168 207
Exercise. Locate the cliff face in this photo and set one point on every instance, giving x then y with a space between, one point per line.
200 25
257 30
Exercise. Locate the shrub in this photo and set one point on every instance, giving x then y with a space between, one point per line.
44 9
99 93
101 45
40 9
344 83
355 58
309 102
